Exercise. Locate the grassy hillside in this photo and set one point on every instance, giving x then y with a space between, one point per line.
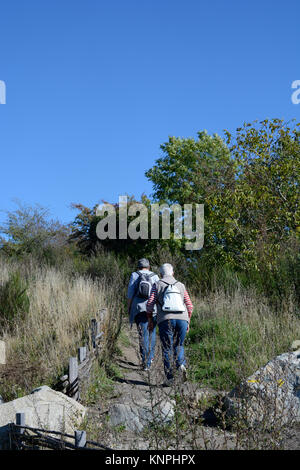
232 335
46 310
45 316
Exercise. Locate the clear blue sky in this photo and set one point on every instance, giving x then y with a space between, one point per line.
95 86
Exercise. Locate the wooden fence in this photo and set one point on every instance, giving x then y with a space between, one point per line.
25 437
22 437
80 366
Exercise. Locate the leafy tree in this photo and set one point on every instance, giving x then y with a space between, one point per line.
28 229
267 195
84 233
248 183
85 236
198 171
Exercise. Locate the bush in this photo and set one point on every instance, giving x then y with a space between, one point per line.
231 336
217 346
14 301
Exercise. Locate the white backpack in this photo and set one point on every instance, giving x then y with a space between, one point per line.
172 300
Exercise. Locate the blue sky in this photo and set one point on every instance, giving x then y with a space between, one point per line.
94 87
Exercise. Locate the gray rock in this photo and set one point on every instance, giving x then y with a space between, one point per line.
122 414
43 408
136 418
295 346
271 396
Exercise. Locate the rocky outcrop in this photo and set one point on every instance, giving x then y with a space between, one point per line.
44 408
135 418
271 396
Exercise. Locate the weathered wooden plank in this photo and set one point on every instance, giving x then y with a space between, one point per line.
93 332
20 421
80 439
82 353
2 353
73 378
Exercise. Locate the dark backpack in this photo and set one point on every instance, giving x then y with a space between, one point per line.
144 285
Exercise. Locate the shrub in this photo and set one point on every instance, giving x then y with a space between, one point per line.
14 301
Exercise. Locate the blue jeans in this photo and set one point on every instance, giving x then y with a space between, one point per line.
172 334
146 340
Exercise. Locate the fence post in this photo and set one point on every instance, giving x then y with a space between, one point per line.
80 439
73 378
81 353
20 421
2 353
93 331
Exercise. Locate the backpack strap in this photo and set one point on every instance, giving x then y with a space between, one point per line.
149 275
168 284
166 288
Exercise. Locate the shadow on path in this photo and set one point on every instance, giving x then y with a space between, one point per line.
131 381
123 364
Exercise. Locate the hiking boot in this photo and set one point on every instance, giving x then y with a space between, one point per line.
183 373
168 383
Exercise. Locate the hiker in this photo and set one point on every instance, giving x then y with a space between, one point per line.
139 288
174 310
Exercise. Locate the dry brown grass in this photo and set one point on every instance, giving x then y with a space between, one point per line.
61 306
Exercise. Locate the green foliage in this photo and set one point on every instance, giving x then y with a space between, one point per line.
249 185
85 237
14 300
216 348
99 388
28 230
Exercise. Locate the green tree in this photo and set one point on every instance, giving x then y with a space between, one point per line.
198 171
267 194
249 185
28 229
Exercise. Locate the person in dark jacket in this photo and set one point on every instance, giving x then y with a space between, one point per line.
138 313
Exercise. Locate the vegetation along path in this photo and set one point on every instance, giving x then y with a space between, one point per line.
139 413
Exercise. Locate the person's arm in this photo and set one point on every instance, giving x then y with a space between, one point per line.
129 302
150 306
189 306
131 290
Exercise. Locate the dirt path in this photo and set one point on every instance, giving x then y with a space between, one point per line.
137 389
140 389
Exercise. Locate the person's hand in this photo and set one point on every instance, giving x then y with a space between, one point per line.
188 327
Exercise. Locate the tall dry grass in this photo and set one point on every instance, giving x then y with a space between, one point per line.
232 335
61 307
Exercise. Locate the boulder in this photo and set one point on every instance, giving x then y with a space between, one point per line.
271 396
295 345
136 418
44 408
